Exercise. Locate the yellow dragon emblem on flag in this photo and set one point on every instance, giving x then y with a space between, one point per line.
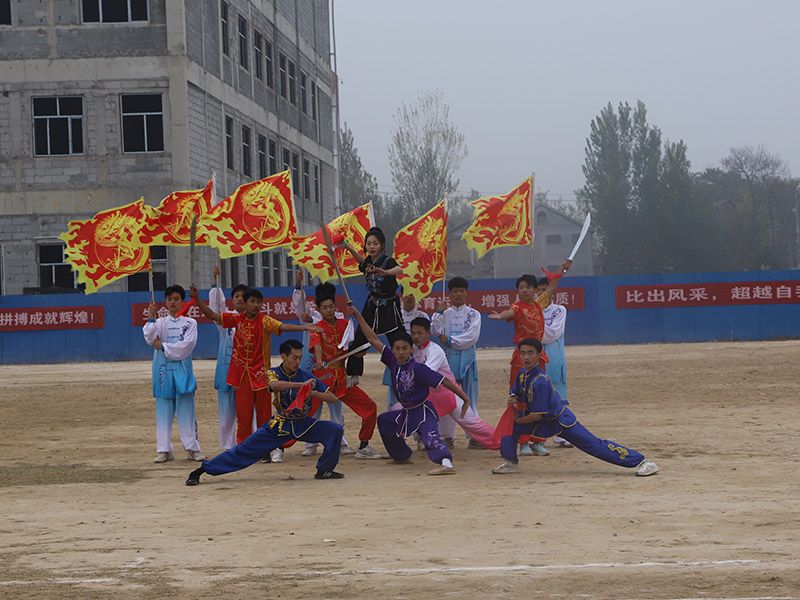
501 220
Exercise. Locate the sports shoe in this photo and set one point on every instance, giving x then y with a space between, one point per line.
450 443
539 449
309 450
276 455
562 442
194 477
473 445
163 457
368 453
506 468
647 467
328 475
525 450
345 449
442 470
195 455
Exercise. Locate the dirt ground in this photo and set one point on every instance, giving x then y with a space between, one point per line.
86 513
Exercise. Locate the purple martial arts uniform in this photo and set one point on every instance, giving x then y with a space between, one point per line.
411 383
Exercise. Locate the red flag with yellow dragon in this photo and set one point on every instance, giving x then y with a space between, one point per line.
311 253
107 247
258 216
501 220
169 223
421 249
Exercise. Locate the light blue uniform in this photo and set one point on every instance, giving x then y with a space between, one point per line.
174 382
555 319
226 395
462 327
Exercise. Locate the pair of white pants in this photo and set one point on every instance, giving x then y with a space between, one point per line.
227 418
181 407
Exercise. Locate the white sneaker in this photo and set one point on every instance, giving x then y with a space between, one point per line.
163 457
276 455
368 453
562 442
505 468
647 467
309 450
195 455
345 449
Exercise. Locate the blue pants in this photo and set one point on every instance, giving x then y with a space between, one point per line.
273 435
568 427
167 409
428 434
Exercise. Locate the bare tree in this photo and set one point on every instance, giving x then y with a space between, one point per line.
425 153
358 185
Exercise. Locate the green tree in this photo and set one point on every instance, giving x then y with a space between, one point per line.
425 153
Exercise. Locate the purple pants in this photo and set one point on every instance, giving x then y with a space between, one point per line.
427 429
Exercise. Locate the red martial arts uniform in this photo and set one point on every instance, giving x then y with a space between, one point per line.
335 376
247 372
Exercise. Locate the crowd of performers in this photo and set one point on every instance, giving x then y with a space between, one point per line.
430 365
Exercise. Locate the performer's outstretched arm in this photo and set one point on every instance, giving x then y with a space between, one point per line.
458 392
366 329
204 308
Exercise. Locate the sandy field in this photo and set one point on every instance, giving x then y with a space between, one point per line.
86 513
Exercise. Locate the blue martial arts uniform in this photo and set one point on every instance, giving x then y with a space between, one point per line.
533 388
283 427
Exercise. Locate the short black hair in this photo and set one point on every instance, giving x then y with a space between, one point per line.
403 337
325 291
421 322
531 342
175 289
239 288
253 293
458 282
289 345
527 278
543 281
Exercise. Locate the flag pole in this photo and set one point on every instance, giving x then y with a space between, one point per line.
444 275
533 237
150 285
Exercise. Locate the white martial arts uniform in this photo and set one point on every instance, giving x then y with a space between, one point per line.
462 327
226 394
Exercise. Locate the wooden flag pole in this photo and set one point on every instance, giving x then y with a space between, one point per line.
150 285
444 275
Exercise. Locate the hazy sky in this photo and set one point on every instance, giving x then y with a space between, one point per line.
525 78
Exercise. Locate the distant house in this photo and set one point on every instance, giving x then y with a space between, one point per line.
555 233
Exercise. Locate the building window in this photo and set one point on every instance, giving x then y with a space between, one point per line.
243 49
250 265
226 31
272 156
229 142
286 159
282 74
262 157
295 173
303 93
541 217
317 188
270 67
139 282
306 180
142 123
289 270
258 55
233 264
292 84
271 268
247 161
5 12
58 125
314 102
114 11
553 239
266 270
54 272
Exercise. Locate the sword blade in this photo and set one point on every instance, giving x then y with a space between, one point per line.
361 348
584 231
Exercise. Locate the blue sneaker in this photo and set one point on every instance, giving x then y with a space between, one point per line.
525 450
